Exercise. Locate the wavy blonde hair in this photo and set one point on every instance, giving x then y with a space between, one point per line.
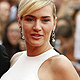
28 6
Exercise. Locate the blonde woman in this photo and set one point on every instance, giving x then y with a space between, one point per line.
37 20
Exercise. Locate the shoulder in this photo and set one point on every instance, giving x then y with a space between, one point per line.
61 61
2 49
3 54
4 60
1 46
15 58
63 67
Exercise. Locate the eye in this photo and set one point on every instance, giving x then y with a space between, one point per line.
29 19
45 20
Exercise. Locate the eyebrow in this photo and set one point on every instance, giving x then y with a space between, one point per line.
29 16
41 17
46 17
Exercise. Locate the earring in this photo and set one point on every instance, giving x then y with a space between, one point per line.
23 37
53 36
21 34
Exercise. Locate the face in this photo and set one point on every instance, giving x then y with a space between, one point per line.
13 34
37 26
4 11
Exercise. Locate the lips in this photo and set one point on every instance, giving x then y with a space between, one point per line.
36 36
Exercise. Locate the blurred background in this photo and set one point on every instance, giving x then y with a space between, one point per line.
67 33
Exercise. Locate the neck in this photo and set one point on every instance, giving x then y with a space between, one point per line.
37 50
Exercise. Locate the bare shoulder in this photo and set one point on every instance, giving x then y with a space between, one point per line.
63 67
60 62
60 59
15 58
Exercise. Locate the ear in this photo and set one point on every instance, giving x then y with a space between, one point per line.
19 23
55 22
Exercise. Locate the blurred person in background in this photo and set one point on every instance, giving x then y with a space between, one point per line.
4 17
12 37
58 4
0 35
22 45
4 11
14 9
66 7
14 2
74 16
65 33
4 60
65 41
77 33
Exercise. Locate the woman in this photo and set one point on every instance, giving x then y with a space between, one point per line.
12 37
37 19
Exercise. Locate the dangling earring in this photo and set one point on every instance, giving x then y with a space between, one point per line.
23 37
21 34
53 36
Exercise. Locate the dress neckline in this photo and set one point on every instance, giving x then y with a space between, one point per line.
44 53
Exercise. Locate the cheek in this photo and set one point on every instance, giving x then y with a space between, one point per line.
9 36
48 29
26 29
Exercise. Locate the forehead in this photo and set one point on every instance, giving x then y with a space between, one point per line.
44 11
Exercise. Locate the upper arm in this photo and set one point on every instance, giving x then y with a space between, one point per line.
63 69
15 58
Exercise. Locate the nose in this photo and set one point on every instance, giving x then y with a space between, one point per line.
37 26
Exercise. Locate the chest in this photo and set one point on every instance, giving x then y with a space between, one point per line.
30 68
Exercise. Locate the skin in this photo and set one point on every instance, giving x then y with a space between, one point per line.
54 68
37 32
4 8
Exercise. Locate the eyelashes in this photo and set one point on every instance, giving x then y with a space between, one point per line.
33 20
46 20
30 19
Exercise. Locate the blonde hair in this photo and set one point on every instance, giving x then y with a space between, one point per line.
28 6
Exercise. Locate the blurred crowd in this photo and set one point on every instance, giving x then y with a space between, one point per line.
10 35
67 29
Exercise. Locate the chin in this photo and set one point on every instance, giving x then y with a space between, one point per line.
14 43
35 43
